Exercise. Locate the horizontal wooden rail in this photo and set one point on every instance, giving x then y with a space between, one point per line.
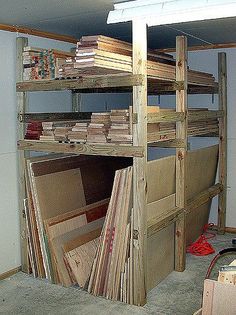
203 197
204 115
35 32
165 117
27 117
89 82
79 148
160 222
172 143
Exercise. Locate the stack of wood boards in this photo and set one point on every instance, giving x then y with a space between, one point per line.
78 132
120 130
56 130
34 130
42 63
98 128
167 131
103 55
67 198
87 44
112 266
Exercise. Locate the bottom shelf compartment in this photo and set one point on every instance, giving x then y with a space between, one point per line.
82 228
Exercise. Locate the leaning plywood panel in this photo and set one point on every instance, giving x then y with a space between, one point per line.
202 165
201 169
62 184
160 250
57 248
66 192
72 220
160 178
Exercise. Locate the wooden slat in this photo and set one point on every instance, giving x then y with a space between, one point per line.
30 31
201 47
9 273
203 197
27 117
87 149
223 141
165 117
22 104
93 82
158 223
140 165
181 133
204 115
172 143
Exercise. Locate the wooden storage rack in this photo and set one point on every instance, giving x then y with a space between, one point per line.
139 83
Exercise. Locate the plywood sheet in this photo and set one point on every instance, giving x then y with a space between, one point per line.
160 178
160 251
81 260
161 206
57 248
201 165
59 192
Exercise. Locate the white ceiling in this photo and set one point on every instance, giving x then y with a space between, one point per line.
86 17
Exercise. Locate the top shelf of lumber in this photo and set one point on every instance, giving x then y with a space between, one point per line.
113 83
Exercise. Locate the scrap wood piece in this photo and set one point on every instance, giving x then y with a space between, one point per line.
58 253
71 220
80 260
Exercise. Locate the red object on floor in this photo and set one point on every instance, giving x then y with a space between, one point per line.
201 247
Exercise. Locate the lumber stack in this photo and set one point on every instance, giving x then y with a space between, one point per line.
42 63
100 55
87 44
56 130
167 130
98 128
120 130
112 266
79 132
34 130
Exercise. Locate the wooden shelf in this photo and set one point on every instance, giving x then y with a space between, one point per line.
113 84
93 82
80 148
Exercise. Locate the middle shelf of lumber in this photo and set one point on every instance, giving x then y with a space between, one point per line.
114 84
108 149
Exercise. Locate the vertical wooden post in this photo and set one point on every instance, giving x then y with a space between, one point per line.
181 153
222 78
22 103
140 164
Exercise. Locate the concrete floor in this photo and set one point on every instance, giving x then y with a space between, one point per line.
178 294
